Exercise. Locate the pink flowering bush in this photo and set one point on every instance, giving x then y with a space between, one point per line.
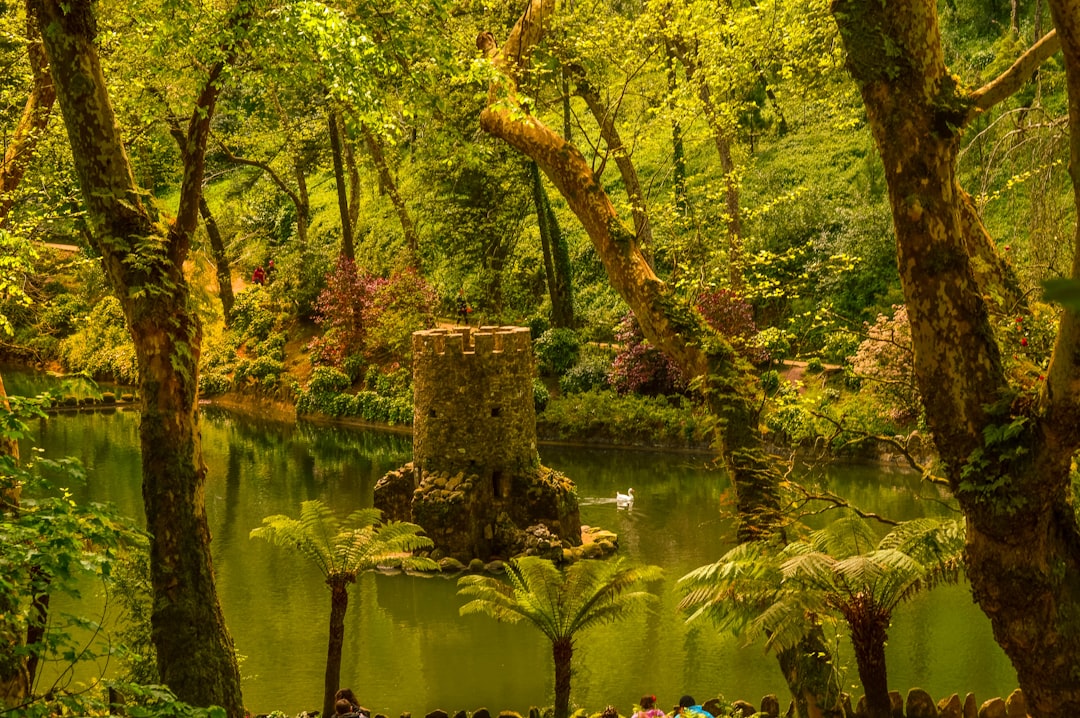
370 317
640 367
885 361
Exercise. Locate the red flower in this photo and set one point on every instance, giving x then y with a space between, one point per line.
1023 341
1019 319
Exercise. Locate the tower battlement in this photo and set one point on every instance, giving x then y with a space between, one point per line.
468 340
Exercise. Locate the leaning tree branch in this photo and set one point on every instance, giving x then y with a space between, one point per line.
1008 82
902 447
265 167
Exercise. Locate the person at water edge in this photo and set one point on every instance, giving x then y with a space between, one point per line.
689 708
648 708
351 704
463 308
258 276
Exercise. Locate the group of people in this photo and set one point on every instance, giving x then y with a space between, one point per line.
347 706
263 276
687 708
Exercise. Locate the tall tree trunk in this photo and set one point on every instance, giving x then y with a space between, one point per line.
1023 542
551 240
678 155
545 239
32 122
562 651
727 381
221 260
354 180
412 241
339 604
217 244
334 124
144 264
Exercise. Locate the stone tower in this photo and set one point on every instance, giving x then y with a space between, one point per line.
473 402
475 484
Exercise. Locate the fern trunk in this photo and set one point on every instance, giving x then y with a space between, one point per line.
563 652
869 632
339 603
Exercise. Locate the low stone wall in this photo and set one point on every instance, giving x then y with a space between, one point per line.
919 704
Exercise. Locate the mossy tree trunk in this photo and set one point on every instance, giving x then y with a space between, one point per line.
19 148
335 125
721 375
143 259
1006 446
553 245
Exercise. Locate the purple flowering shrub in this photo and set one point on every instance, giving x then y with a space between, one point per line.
640 367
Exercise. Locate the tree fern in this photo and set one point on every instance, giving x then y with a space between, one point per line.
561 604
341 550
780 594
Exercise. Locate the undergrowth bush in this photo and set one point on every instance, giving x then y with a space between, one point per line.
557 350
588 374
101 346
608 417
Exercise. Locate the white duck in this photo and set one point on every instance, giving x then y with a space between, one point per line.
627 498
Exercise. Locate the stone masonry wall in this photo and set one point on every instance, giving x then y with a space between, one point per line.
473 402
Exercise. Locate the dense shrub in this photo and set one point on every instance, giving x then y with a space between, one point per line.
557 350
640 367
212 383
588 374
608 417
61 314
541 396
102 346
328 380
537 326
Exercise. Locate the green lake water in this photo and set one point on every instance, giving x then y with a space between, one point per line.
406 647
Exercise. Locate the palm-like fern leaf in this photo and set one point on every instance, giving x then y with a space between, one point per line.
559 603
345 548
